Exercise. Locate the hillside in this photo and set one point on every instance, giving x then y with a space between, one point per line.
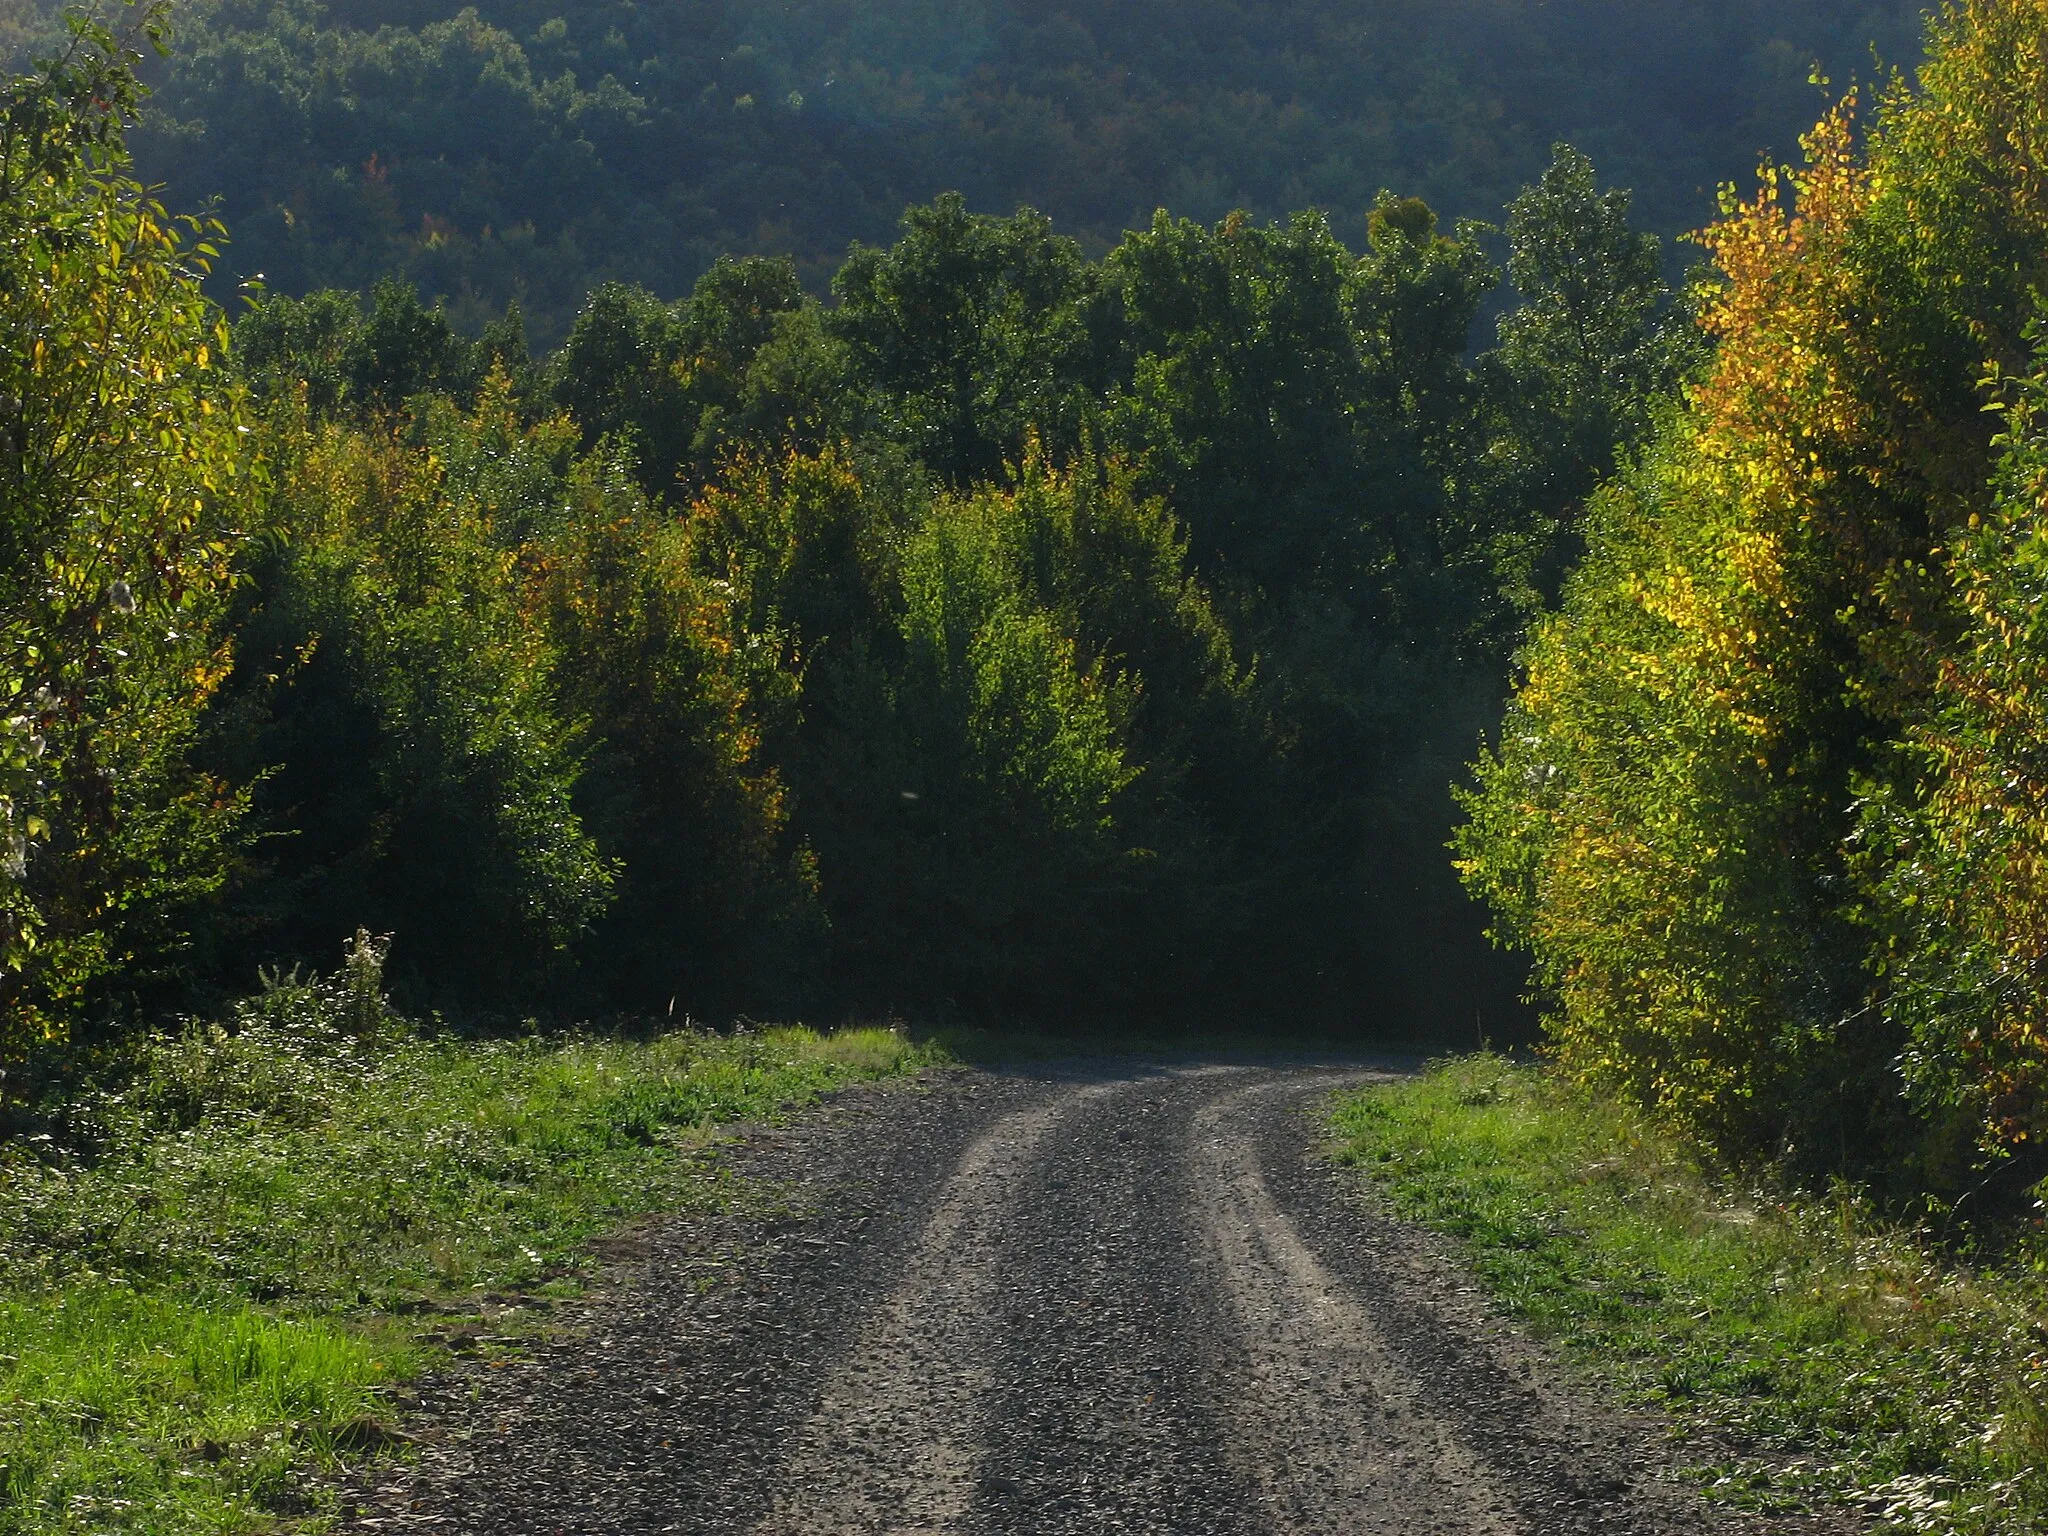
527 149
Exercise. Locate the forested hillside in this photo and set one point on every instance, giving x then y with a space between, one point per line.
528 149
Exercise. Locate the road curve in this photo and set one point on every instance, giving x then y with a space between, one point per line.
1127 1298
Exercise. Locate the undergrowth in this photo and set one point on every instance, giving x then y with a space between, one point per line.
1819 1353
210 1280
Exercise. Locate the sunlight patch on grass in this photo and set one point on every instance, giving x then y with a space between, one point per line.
132 1410
1829 1355
200 1303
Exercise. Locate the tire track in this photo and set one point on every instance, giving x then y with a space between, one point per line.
1112 1374
1339 1437
1039 1303
896 1442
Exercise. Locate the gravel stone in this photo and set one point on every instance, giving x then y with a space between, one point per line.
1116 1297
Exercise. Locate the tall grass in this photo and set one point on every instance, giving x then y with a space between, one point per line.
127 1409
1829 1356
208 1284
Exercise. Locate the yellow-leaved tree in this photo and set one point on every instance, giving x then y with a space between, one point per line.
122 475
1719 745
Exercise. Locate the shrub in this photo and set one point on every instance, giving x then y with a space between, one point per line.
715 900
394 696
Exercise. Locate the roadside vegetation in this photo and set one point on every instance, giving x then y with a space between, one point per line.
1769 806
1018 634
1768 809
1813 1350
214 1269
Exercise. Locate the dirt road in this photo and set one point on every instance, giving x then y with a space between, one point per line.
1128 1299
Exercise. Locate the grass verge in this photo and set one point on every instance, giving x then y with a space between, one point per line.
208 1290
1828 1357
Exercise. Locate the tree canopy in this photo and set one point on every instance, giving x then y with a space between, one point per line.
516 150
1765 804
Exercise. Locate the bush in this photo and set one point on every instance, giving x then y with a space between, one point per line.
715 898
394 698
283 1056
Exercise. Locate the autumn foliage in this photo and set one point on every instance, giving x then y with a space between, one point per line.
1765 805
123 478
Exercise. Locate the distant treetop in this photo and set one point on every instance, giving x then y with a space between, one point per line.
529 149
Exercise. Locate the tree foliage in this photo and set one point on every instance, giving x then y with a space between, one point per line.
1045 616
394 698
1017 627
123 483
528 151
1026 625
1759 806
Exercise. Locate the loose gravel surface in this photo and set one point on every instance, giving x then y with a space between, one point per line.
1113 1298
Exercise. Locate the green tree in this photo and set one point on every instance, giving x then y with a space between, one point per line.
972 332
716 900
395 702
533 151
1300 408
1808 598
325 345
674 379
1962 867
1580 364
1014 703
123 483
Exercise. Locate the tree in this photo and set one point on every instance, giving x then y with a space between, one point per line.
124 482
1783 706
716 901
1580 364
674 378
395 703
973 331
1962 868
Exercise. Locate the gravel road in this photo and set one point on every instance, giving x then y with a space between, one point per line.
1108 1299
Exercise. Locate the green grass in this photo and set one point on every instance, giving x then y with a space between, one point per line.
1822 1354
205 1299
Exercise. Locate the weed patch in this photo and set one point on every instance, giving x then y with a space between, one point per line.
1833 1357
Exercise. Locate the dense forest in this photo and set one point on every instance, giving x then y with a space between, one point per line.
1014 635
525 151
1023 631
